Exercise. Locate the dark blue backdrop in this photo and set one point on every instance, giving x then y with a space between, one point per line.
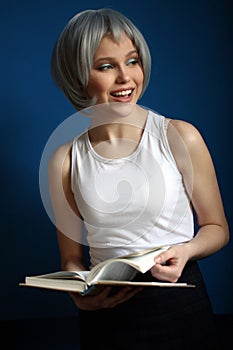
191 46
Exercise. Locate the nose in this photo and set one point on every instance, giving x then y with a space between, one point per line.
122 75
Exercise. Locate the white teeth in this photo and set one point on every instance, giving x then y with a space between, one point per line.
122 93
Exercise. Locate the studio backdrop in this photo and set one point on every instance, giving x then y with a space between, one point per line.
191 79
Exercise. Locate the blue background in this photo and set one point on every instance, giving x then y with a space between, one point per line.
191 47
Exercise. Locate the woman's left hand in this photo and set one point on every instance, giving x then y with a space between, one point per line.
170 264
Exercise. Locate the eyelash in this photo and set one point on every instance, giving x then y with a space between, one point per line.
107 66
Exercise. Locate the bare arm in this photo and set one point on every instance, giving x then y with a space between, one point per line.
67 217
69 232
201 183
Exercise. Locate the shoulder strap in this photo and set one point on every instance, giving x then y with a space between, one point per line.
166 122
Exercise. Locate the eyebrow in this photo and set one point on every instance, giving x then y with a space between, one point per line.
110 58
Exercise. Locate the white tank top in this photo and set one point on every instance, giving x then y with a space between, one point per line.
131 203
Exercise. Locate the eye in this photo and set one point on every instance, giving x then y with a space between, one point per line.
132 61
105 66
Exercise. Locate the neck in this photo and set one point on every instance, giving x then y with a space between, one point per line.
109 125
118 138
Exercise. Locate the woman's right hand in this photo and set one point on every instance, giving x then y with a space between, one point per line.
105 299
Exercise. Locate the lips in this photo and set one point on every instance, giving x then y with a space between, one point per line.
122 93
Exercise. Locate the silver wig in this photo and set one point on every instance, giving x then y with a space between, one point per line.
73 54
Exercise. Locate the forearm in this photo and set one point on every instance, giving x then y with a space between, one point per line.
72 254
73 264
208 240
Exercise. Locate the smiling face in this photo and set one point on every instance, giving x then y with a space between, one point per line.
116 75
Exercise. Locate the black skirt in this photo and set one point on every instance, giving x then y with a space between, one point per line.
170 318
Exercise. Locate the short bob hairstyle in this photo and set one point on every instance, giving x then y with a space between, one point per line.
72 57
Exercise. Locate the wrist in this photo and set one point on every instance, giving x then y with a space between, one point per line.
190 250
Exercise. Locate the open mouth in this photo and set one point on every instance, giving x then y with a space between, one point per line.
123 93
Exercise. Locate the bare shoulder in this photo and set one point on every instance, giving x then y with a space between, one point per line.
60 159
187 146
189 134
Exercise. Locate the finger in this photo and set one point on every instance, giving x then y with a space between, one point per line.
130 294
123 295
165 256
126 293
165 272
91 302
103 293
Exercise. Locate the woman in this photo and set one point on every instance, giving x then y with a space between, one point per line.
135 180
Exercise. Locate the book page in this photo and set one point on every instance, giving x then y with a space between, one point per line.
143 284
145 251
145 262
72 285
80 275
126 267
114 270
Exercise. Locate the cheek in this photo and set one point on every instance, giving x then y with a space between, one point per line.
140 76
139 79
96 86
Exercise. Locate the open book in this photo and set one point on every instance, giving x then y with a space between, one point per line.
116 271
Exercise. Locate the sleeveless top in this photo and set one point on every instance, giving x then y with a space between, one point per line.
131 203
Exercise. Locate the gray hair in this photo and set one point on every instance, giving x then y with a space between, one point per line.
73 54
